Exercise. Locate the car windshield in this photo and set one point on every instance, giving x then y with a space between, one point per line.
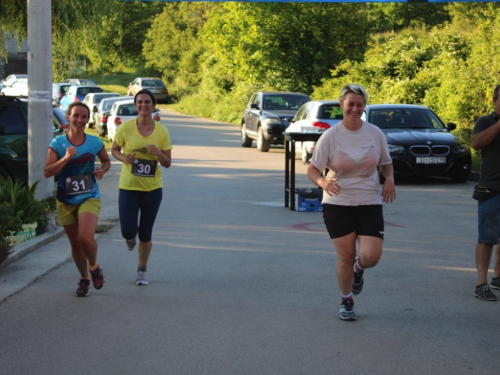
98 98
284 102
107 105
152 83
127 110
88 90
405 119
330 112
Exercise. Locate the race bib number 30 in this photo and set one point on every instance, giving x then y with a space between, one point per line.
79 184
144 168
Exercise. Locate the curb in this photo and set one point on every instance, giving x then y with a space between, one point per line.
30 246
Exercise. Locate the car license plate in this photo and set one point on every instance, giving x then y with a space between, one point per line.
431 160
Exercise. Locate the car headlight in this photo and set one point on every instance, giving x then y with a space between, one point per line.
272 121
461 149
393 149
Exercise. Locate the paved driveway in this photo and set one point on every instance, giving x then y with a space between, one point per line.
241 285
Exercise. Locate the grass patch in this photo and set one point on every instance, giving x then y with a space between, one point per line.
114 82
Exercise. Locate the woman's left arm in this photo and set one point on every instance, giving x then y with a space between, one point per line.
164 156
388 189
105 164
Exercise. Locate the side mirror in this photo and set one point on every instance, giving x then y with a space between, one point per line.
451 126
254 106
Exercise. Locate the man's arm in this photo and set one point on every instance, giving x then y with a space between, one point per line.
484 138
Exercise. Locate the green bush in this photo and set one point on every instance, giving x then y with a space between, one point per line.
8 223
24 205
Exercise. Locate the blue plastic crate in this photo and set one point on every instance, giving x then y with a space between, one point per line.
308 199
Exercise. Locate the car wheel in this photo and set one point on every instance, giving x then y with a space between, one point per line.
246 141
262 144
305 155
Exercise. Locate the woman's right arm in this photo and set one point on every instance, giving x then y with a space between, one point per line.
331 186
116 151
54 165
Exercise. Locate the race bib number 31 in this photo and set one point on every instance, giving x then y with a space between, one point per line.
144 168
79 184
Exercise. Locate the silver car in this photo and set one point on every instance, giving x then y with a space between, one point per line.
314 117
155 85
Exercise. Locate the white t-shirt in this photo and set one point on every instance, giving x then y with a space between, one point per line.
352 157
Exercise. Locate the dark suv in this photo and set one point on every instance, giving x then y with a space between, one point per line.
267 115
14 138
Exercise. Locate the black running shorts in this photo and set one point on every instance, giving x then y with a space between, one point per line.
364 220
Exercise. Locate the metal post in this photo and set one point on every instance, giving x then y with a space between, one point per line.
40 122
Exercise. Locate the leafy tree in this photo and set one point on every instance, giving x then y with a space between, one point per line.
104 32
285 46
398 16
172 46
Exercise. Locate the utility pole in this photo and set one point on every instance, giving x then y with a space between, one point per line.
40 128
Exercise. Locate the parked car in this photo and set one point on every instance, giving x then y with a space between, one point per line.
77 94
314 117
1 87
102 114
58 91
17 88
267 115
79 82
155 85
419 142
14 138
122 111
92 100
13 77
60 117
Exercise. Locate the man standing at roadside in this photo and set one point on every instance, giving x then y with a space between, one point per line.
486 138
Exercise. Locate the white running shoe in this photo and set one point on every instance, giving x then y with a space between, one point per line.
142 278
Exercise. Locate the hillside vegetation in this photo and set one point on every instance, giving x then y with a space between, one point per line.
213 55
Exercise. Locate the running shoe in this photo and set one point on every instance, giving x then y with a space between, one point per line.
142 278
97 277
495 283
83 288
131 243
484 292
357 285
347 310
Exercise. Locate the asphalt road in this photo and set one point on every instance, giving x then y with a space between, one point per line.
242 285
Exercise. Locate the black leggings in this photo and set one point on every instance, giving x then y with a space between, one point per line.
130 202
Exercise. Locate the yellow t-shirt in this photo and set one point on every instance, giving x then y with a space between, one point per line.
128 137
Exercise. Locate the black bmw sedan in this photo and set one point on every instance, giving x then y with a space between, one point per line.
419 142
